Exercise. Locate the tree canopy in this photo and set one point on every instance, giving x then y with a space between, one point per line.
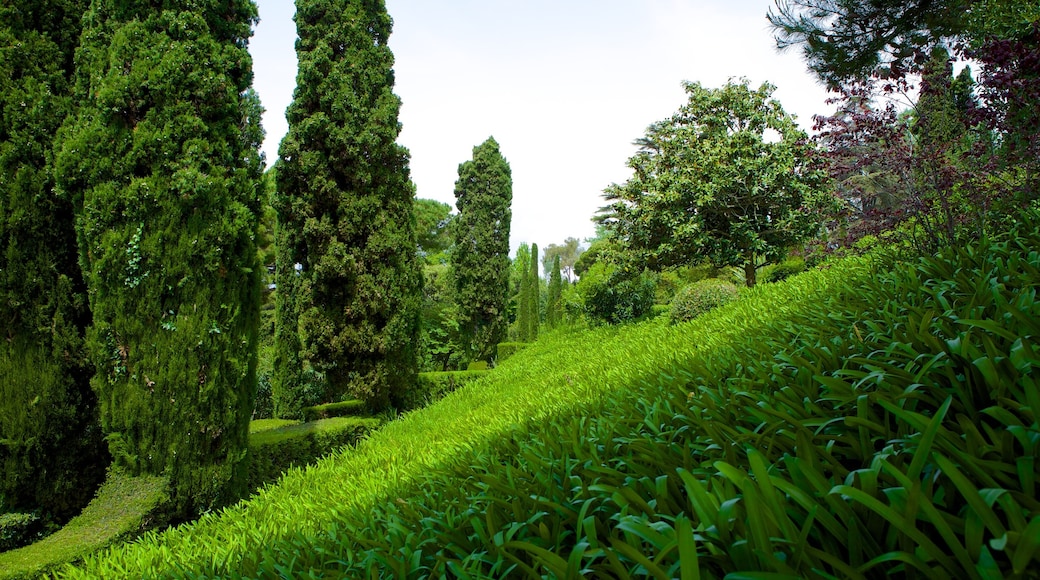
727 178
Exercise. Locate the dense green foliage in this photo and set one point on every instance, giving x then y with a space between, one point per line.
564 374
340 409
530 299
52 456
865 424
611 295
123 509
434 386
714 182
161 164
433 228
344 205
275 451
553 304
701 297
480 257
508 349
440 345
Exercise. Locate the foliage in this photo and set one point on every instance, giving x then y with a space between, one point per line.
508 349
433 387
783 270
433 227
345 208
311 519
727 178
846 39
52 457
124 508
340 409
258 425
18 529
480 258
534 299
569 252
161 163
701 297
275 451
554 306
613 296
440 347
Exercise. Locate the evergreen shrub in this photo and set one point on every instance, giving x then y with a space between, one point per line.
329 410
18 529
783 270
508 349
613 296
274 451
434 386
700 297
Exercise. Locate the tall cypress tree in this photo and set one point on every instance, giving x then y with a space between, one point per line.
534 297
553 306
161 162
480 259
345 207
51 452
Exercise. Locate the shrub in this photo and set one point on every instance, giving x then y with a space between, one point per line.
329 410
273 451
508 349
613 295
700 297
783 270
434 386
17 530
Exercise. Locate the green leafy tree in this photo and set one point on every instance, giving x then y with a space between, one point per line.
51 453
161 163
480 258
726 178
568 252
345 205
554 306
433 220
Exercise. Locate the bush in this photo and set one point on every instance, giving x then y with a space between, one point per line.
508 349
614 296
700 297
432 387
17 530
329 410
783 270
273 451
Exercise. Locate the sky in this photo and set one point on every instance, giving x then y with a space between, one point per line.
564 86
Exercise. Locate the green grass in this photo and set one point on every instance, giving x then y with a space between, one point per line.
120 510
563 374
267 424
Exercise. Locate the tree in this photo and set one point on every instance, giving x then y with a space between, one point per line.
554 307
846 39
728 179
346 204
568 252
161 163
433 221
534 291
51 453
480 258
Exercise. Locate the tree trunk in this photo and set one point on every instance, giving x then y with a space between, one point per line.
749 272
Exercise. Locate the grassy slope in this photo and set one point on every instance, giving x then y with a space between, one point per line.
559 375
120 509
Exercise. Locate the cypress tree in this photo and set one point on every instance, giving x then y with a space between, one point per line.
480 259
161 163
51 453
534 296
553 307
345 207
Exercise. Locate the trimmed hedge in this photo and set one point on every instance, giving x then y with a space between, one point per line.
18 529
508 349
329 410
123 508
273 451
432 387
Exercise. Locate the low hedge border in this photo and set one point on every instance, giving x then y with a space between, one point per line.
273 451
329 410
508 349
432 387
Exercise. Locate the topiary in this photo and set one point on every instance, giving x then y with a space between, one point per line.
700 297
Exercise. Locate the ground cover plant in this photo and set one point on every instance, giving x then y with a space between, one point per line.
287 528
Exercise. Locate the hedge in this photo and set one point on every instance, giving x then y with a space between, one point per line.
508 349
273 451
432 387
329 410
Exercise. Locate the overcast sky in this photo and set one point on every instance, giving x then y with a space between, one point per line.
564 86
